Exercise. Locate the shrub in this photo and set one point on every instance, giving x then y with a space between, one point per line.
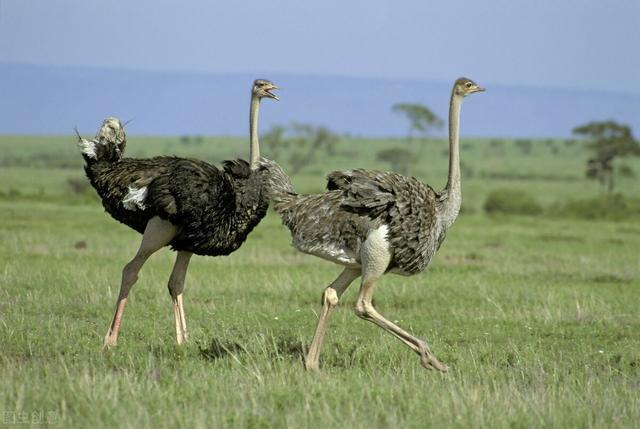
400 159
511 201
78 185
608 207
525 145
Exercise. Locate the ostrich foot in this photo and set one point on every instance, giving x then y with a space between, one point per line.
311 366
429 361
182 338
110 341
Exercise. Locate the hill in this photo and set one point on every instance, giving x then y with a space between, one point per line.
52 100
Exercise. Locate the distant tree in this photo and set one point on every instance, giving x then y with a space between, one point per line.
400 159
551 144
274 140
626 171
524 145
302 142
421 122
314 139
421 119
497 147
467 171
609 140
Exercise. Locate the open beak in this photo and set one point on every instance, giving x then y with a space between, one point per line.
270 94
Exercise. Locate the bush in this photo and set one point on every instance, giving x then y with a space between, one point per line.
607 207
510 201
400 159
78 185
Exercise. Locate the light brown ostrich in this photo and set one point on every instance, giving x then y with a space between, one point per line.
372 223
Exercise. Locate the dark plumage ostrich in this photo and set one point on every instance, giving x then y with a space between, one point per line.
188 204
373 223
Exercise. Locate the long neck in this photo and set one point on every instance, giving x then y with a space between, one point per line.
254 151
453 190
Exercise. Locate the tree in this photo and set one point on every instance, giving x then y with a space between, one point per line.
316 138
421 121
400 159
274 141
301 141
609 140
525 145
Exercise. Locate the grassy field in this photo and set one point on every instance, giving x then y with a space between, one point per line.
537 316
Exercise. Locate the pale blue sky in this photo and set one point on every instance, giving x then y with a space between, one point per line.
587 44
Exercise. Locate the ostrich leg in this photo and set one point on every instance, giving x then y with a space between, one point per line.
176 286
375 258
157 234
330 298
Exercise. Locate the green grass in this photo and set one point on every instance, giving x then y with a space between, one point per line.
536 316
42 165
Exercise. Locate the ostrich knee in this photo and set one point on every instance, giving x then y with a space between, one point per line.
175 287
330 297
130 274
363 309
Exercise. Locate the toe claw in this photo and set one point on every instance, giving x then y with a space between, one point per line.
431 362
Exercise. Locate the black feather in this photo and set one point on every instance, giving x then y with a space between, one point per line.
215 209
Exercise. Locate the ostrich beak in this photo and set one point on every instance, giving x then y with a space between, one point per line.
479 89
270 94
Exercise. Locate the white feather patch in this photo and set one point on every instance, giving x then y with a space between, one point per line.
375 253
135 198
326 251
88 148
379 236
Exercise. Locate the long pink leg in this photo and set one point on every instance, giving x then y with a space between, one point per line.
330 298
157 234
176 286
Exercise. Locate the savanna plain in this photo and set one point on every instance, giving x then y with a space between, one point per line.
536 313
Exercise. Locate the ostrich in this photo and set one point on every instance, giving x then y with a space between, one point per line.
188 204
374 222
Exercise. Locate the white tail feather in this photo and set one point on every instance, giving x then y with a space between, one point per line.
88 148
135 198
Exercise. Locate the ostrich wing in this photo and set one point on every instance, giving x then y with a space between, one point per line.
405 204
368 193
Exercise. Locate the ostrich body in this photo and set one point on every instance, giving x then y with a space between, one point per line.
375 222
188 204
215 209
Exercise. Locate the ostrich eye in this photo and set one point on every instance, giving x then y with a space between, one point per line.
468 84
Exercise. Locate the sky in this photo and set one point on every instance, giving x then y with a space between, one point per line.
576 44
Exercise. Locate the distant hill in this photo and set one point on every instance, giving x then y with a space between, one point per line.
52 100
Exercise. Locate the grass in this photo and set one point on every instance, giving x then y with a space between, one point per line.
537 318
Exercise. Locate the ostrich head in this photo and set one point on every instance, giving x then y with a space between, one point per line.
112 139
111 130
465 86
262 88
